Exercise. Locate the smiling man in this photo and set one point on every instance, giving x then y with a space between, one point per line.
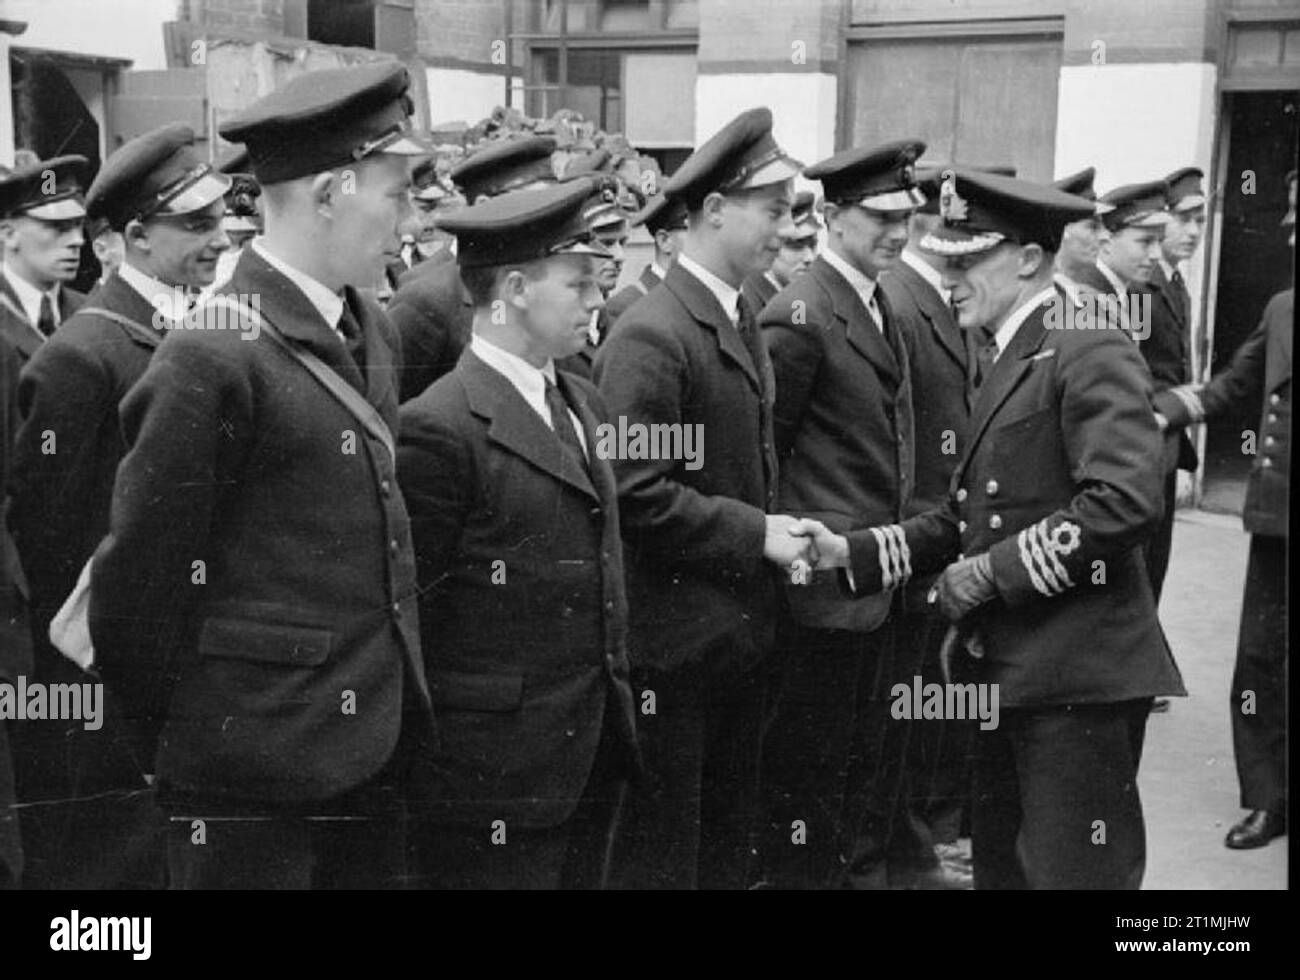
700 538
1039 546
1128 257
845 442
515 521
166 204
254 604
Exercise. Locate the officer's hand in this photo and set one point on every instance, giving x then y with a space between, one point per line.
828 549
1162 422
783 545
963 586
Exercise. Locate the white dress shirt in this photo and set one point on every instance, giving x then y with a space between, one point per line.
171 302
727 297
30 297
927 272
328 303
1019 315
863 285
658 270
529 381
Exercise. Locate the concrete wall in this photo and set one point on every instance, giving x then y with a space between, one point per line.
107 28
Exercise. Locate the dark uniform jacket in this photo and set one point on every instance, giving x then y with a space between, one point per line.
942 388
277 669
1168 352
697 576
71 388
758 291
523 610
20 341
1260 370
629 294
1061 485
432 314
843 424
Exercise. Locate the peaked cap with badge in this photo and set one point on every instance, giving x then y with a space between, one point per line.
982 210
741 155
882 178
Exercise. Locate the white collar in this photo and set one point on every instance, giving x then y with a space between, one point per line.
927 272
1168 269
171 302
658 270
1019 315
862 284
328 303
30 297
773 280
726 296
529 381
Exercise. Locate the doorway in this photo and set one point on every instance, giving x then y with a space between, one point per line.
1263 132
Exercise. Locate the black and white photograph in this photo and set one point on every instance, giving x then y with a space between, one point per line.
641 445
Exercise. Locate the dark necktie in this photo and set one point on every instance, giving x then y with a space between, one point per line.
1180 291
45 324
353 337
563 424
751 335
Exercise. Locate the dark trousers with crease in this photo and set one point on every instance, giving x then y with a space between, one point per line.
574 854
690 822
1259 731
1160 543
834 759
1056 801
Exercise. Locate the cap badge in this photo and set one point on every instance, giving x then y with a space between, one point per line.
952 206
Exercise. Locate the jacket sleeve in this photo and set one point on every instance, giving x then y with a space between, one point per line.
436 473
643 374
64 394
1115 448
186 423
796 351
423 340
1240 385
886 556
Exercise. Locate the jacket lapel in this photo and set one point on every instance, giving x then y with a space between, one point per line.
514 426
289 310
1007 373
14 325
933 308
648 279
859 328
707 311
119 297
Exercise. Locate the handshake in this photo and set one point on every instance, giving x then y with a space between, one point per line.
803 545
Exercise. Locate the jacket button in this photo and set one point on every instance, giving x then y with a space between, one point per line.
394 546
396 609
1266 462
385 487
609 606
961 494
961 526
1274 398
1270 441
1272 417
995 521
992 488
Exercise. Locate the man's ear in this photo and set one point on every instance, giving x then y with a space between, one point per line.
513 288
831 213
712 208
1032 257
136 235
323 190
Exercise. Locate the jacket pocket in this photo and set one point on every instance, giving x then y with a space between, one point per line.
476 692
273 643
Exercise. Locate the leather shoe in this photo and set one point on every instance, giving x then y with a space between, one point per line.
1257 829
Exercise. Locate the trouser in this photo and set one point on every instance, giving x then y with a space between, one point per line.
833 759
1056 800
1259 681
939 756
574 854
88 818
1159 544
690 821
355 840
11 847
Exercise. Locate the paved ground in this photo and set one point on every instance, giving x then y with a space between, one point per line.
1188 780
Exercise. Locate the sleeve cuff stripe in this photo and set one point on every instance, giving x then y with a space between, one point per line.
882 552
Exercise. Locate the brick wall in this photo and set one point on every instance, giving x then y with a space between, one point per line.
260 16
761 35
460 32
